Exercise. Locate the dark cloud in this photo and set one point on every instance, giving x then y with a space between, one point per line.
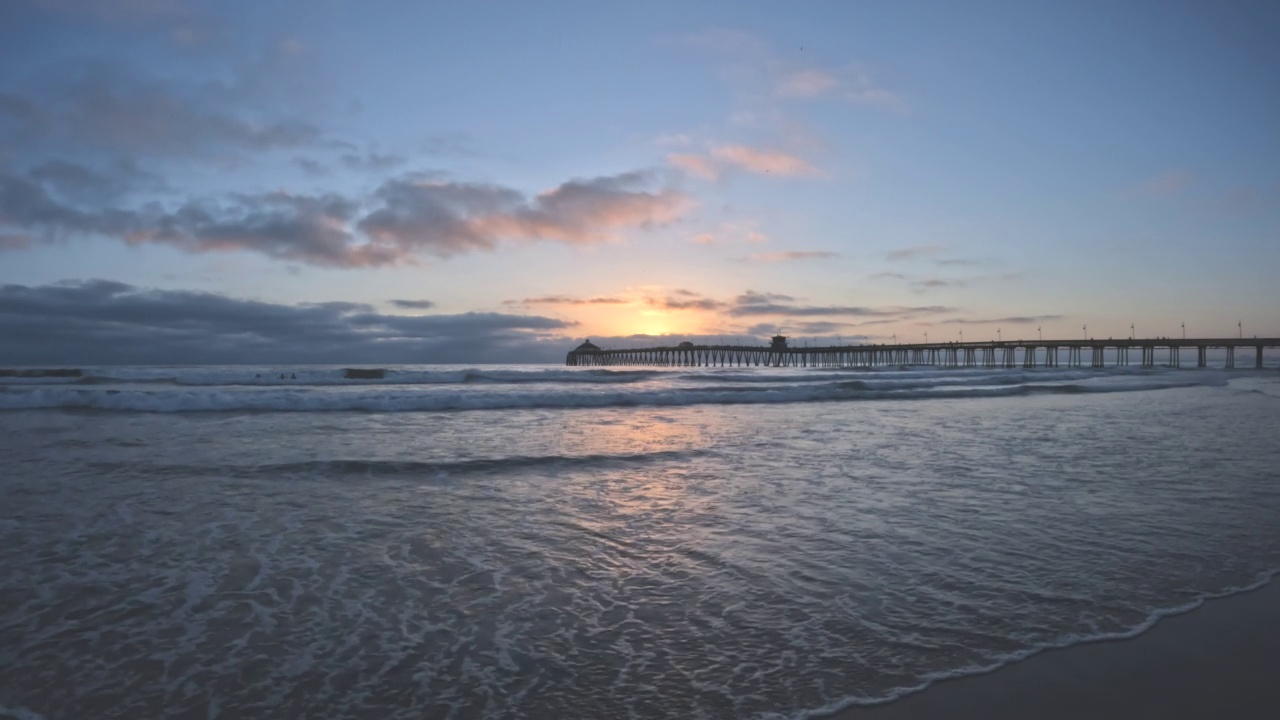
413 304
95 108
566 300
20 117
821 328
306 228
312 167
449 144
958 262
923 284
792 255
82 184
935 283
753 304
751 297
118 11
685 301
914 252
125 110
30 209
412 216
104 322
372 161
1013 320
443 218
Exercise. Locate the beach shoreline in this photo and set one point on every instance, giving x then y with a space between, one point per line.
1220 659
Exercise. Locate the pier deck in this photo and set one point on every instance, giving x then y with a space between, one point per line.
1020 353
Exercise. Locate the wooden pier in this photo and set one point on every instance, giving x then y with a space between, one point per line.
1008 354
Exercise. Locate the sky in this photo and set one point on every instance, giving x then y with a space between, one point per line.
459 182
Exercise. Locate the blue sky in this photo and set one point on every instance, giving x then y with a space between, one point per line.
525 175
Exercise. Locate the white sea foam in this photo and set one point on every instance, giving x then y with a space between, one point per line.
552 392
1066 641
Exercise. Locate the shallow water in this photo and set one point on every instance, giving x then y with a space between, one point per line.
735 543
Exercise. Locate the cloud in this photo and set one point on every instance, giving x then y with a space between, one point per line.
313 229
754 304
815 327
566 300
372 161
673 140
119 11
312 167
724 158
887 276
413 304
851 83
935 283
410 216
1166 183
126 110
84 184
104 322
761 161
1241 201
1012 320
727 232
696 165
792 255
685 300
30 208
806 83
758 68
751 296
449 218
913 253
673 300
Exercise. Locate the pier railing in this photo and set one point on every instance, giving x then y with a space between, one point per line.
1021 353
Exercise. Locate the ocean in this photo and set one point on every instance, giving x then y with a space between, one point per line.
550 542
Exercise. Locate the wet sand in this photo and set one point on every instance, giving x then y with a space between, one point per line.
1221 660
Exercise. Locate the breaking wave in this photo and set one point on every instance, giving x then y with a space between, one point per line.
384 398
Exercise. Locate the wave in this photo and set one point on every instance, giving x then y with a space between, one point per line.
307 377
1260 581
440 469
388 399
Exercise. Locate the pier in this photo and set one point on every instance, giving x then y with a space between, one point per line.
995 354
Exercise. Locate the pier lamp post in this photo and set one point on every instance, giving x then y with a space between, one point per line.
1086 332
1184 331
998 338
1240 327
962 336
1039 334
926 338
1131 331
895 338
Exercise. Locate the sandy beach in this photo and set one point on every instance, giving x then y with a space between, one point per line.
1221 660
